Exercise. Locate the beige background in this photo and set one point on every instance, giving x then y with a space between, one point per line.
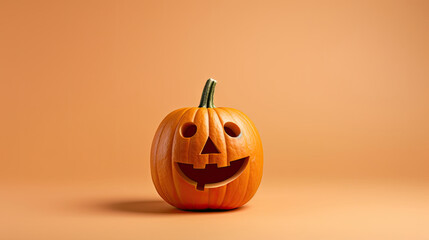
339 91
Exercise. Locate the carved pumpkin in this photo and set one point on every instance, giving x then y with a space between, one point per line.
206 157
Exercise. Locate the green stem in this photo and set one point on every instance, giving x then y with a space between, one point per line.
208 94
210 103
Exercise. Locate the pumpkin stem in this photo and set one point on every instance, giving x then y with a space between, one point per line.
210 103
208 94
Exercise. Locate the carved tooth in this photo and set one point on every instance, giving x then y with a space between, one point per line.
221 165
199 165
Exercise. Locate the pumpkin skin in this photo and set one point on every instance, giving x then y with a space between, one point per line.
206 157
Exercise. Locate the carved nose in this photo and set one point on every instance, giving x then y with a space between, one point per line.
209 147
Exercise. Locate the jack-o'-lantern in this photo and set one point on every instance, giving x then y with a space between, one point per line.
206 157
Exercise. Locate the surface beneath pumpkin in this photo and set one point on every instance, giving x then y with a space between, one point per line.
212 173
129 208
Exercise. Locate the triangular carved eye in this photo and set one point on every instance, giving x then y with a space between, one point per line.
209 147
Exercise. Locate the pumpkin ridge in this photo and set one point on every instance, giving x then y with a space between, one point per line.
155 177
171 155
180 115
244 118
201 112
159 186
176 183
193 119
154 162
233 115
213 114
226 149
227 201
250 123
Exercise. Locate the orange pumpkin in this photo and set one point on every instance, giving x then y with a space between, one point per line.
206 157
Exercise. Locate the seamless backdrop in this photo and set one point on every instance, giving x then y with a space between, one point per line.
339 91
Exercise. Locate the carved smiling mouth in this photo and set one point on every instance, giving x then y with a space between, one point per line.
212 176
